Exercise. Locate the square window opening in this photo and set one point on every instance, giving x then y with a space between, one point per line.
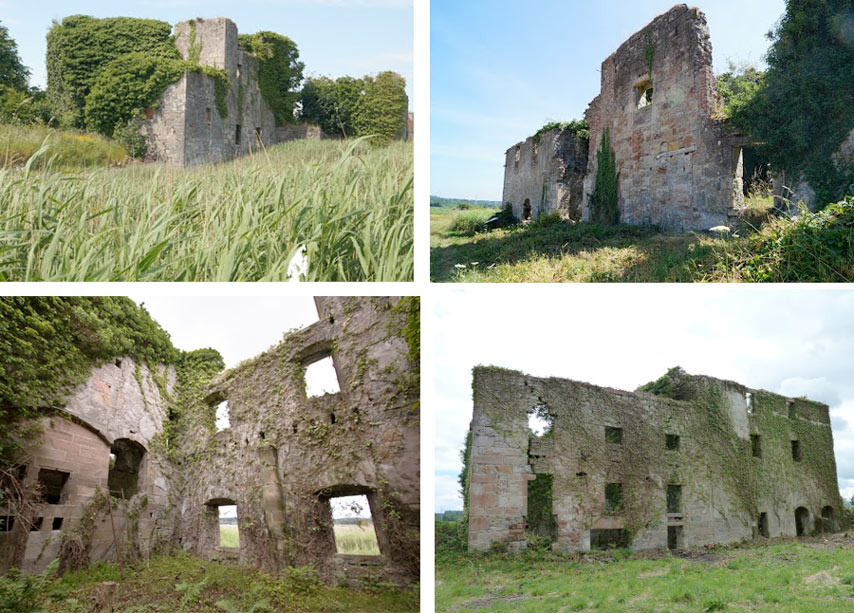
56 524
644 95
540 420
229 535
608 539
321 378
353 526
613 497
52 484
674 498
614 435
755 446
796 451
672 442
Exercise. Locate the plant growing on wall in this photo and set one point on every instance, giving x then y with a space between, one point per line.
603 201
279 71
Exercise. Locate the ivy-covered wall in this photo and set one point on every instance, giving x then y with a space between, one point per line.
724 487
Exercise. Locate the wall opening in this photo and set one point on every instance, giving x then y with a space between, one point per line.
613 497
763 525
748 400
540 519
321 377
828 522
793 412
643 95
608 539
37 524
239 70
756 173
796 451
258 140
208 116
56 524
613 435
755 446
674 537
802 521
229 536
123 478
223 416
7 522
237 134
517 156
540 420
526 210
672 442
674 498
354 526
52 484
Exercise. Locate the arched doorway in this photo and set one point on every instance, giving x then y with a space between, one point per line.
828 523
802 521
126 458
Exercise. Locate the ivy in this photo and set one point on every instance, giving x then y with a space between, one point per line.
649 51
279 71
603 201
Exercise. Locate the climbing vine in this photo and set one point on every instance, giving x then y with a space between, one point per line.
649 52
603 201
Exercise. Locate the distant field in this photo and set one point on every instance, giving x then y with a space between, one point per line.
346 204
228 535
352 539
814 574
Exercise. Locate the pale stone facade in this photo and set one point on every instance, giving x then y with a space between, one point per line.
648 447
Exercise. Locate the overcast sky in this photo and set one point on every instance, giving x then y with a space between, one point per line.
335 37
498 74
792 341
240 328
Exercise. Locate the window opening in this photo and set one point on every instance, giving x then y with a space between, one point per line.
56 524
125 461
802 519
674 537
644 95
526 210
755 446
608 539
258 136
223 416
7 522
748 400
37 525
613 497
353 526
321 378
237 134
540 420
796 451
229 535
614 435
208 115
674 498
672 442
763 525
52 483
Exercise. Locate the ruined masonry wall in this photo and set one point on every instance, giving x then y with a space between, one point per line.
547 173
504 458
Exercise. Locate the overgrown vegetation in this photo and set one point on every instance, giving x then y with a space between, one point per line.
186 583
812 247
673 384
803 108
579 127
65 149
347 107
604 209
807 575
279 71
346 206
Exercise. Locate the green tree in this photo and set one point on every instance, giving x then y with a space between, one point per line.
738 86
604 207
382 110
279 71
804 107
332 104
12 72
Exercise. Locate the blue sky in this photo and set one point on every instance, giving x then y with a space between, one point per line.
766 338
335 37
502 69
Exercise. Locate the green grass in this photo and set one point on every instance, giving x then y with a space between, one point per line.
349 205
68 148
781 576
183 583
809 248
353 539
228 535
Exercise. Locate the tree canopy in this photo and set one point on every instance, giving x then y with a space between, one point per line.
279 71
12 72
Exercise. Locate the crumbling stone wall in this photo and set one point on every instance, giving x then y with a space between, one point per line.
186 127
545 173
676 164
727 493
121 401
282 458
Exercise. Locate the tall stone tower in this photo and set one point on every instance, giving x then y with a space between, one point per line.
213 42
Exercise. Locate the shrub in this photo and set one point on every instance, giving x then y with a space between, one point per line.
468 223
451 537
21 593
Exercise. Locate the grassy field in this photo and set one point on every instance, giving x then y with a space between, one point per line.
68 149
815 574
353 539
809 248
345 205
228 535
182 583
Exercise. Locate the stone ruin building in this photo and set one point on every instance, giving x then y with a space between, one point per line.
185 127
680 167
721 464
281 461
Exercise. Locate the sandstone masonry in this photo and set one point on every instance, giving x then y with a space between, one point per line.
725 464
281 461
